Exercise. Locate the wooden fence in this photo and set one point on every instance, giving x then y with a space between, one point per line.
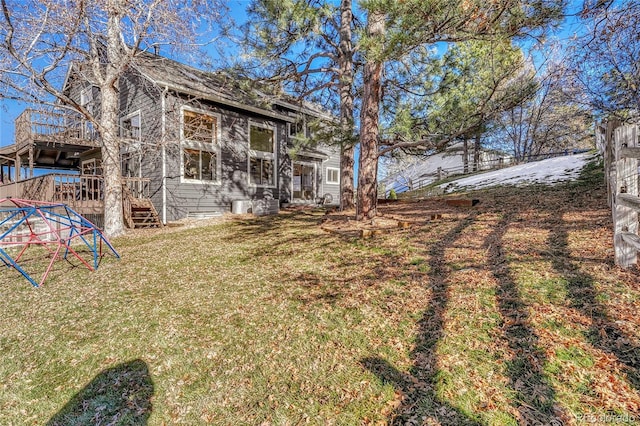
620 148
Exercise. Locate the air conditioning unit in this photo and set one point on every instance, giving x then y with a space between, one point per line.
241 206
266 206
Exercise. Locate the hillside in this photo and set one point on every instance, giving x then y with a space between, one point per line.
548 171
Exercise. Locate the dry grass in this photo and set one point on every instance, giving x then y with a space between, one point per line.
507 313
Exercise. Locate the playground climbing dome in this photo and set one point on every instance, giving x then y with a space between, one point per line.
36 234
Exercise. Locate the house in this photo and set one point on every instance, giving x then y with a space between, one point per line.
194 143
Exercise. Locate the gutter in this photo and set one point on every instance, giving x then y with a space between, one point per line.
306 110
163 100
221 100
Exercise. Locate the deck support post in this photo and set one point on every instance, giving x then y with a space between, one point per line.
18 167
31 161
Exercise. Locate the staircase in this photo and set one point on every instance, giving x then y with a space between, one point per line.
144 214
139 212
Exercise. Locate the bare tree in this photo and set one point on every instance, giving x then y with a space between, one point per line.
42 39
605 58
554 119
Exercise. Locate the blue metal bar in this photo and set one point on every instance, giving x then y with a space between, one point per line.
8 259
70 220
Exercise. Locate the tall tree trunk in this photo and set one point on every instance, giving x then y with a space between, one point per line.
346 106
465 156
476 152
369 123
347 163
113 222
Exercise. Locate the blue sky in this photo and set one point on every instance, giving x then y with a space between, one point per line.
9 110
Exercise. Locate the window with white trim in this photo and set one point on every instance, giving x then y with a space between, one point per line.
333 175
131 164
262 155
87 101
200 145
131 126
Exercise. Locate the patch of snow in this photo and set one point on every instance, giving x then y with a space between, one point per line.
549 171
425 171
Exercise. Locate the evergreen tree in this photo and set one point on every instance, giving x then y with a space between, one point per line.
460 95
307 46
396 29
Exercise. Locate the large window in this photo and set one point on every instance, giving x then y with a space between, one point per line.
200 146
262 155
198 126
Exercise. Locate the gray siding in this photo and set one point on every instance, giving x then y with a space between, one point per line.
185 198
333 162
137 94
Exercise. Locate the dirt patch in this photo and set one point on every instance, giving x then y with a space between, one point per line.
392 217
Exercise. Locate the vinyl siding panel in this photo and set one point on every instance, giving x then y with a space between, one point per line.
187 198
333 162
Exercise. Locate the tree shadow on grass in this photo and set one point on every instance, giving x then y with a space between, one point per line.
534 395
120 395
604 333
420 400
260 225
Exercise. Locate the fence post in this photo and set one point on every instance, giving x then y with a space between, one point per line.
609 160
626 201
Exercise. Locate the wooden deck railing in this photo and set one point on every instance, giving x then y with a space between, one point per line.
85 192
139 187
53 126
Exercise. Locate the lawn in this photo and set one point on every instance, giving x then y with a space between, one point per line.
510 312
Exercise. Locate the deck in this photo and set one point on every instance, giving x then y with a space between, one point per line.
52 139
83 193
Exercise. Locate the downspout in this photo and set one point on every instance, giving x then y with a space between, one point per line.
164 154
323 176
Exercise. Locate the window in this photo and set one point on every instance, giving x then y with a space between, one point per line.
200 146
86 99
92 166
261 155
85 128
130 126
333 175
198 127
296 129
261 171
131 164
199 165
